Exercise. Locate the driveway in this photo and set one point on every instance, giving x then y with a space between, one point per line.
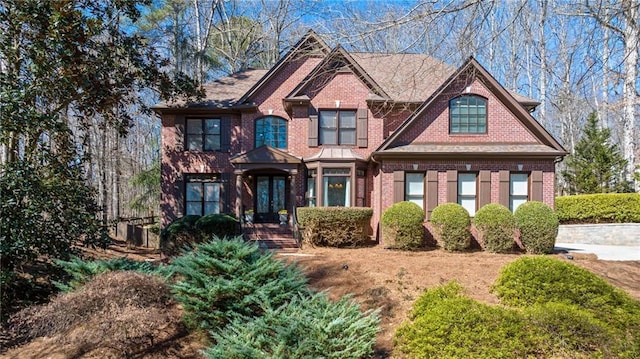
604 252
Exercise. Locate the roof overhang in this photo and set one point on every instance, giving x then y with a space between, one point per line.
266 157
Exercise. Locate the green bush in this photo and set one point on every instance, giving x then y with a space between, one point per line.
538 226
451 223
496 226
179 234
221 280
447 324
537 280
599 208
81 271
402 226
335 226
444 323
219 225
307 327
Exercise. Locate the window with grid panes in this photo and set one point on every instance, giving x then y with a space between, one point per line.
337 127
414 188
203 134
468 114
202 197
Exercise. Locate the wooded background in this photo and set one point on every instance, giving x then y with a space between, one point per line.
575 57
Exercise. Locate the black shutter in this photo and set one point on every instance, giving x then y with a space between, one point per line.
225 135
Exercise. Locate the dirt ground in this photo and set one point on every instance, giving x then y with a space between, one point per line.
393 280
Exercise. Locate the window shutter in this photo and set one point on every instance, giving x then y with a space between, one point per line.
180 200
225 135
504 188
536 186
180 133
313 130
362 127
484 195
398 186
225 192
452 186
432 192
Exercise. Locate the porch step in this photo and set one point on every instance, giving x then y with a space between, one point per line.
271 236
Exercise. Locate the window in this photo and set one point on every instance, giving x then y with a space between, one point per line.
518 190
202 197
337 127
467 192
271 131
311 188
468 114
414 188
203 134
336 187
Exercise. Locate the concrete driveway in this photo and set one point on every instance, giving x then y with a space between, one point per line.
604 252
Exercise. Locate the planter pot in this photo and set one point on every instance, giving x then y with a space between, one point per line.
284 218
248 217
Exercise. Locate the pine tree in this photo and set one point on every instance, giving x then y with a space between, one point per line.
596 166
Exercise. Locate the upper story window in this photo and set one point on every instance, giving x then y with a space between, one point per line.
203 134
271 131
468 114
337 127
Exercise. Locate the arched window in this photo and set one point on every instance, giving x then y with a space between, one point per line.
271 131
468 114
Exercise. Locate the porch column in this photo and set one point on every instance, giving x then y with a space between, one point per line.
292 191
238 194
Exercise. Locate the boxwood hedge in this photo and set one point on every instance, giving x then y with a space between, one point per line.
451 224
599 208
538 225
496 228
402 226
335 226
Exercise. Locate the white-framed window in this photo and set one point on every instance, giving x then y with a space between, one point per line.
311 188
337 127
414 188
518 190
467 190
203 134
336 187
202 197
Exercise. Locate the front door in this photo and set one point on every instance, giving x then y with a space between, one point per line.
270 197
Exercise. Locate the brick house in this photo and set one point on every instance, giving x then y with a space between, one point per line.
328 127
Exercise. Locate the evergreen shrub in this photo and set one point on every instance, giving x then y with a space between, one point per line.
538 225
218 224
451 224
537 280
179 234
221 280
310 326
496 227
599 208
81 271
335 226
402 226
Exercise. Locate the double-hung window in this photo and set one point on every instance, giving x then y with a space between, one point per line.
337 127
203 134
518 190
336 187
468 115
202 197
467 192
414 188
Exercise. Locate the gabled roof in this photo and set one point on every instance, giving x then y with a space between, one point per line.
310 43
338 60
228 91
498 90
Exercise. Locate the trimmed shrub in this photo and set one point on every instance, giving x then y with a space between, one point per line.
599 208
219 225
537 280
81 271
451 223
307 327
496 227
221 280
335 226
402 226
179 234
447 324
538 225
